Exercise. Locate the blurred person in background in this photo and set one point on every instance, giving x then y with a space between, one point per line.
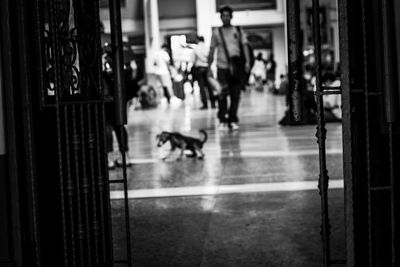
133 80
162 64
110 115
233 62
200 71
271 71
283 87
259 72
332 103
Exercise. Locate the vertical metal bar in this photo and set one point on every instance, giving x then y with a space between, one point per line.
392 195
347 135
101 156
85 184
41 48
91 145
101 184
391 105
116 42
396 10
367 126
295 99
11 140
69 186
28 122
99 49
389 55
126 199
103 180
57 63
75 144
2 117
323 182
120 103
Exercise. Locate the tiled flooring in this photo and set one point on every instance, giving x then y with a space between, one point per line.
252 201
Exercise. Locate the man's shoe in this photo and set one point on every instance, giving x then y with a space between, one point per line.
234 126
223 126
203 107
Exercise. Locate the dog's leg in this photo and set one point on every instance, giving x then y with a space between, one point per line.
194 154
183 148
170 153
200 152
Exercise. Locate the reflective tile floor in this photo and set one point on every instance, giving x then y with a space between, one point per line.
252 201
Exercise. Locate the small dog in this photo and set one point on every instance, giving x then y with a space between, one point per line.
183 142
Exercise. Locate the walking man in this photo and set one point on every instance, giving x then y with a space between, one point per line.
233 62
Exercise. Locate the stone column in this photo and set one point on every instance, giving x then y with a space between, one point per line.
205 14
285 34
152 31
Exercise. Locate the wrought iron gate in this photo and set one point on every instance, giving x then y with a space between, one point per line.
370 63
72 177
372 37
296 105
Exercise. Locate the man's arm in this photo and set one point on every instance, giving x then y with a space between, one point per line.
247 57
246 51
193 56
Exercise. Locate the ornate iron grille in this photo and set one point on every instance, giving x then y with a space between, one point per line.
59 187
71 96
72 52
369 87
296 106
323 181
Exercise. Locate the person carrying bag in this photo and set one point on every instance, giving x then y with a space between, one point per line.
232 64
236 63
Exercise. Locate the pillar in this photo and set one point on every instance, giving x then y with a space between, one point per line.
285 35
152 31
204 18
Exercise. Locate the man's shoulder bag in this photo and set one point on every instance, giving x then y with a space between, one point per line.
236 63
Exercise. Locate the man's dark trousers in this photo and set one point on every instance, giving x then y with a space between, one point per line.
231 87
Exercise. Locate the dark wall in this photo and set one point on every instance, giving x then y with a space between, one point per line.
130 9
172 9
370 132
248 4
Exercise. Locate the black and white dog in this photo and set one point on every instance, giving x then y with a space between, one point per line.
183 142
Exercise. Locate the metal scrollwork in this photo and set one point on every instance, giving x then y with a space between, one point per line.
64 49
69 51
72 45
69 73
50 71
89 54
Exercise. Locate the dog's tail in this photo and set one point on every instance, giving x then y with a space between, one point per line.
205 136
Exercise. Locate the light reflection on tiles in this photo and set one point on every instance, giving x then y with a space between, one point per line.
249 154
223 189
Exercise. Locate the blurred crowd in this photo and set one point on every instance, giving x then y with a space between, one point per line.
219 72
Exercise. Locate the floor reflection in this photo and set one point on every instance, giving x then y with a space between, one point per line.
252 201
